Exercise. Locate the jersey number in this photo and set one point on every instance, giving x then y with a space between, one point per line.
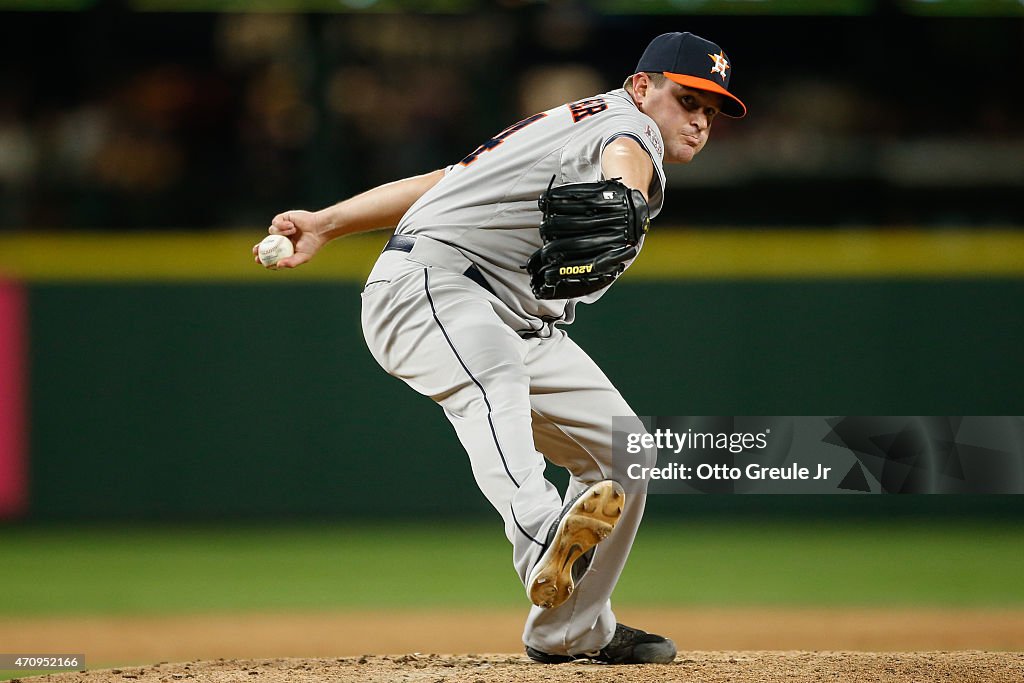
500 138
584 108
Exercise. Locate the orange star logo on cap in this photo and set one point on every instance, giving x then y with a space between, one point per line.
721 63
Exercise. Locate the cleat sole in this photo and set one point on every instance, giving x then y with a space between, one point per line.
588 522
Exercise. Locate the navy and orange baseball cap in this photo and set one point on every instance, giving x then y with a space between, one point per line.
694 62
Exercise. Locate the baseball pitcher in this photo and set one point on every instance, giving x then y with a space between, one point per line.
468 303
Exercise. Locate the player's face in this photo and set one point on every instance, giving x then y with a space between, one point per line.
683 115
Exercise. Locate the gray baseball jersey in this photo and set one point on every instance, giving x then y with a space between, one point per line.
486 205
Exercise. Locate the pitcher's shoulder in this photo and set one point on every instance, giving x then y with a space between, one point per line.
640 125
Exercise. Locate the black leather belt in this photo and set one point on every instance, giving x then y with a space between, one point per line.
405 242
400 243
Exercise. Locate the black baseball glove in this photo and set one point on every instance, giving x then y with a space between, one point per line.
589 230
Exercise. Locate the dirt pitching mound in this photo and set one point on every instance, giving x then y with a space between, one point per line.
705 667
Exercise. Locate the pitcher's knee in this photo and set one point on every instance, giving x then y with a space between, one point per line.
501 388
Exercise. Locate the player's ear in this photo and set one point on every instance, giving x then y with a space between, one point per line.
640 83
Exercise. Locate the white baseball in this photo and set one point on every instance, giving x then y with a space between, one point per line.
273 248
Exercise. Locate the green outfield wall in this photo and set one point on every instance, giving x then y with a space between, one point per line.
194 400
165 376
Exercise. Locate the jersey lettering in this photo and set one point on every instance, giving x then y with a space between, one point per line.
500 138
584 108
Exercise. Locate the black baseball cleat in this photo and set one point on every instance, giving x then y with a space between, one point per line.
627 646
585 521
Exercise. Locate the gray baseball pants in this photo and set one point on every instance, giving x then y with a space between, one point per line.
513 403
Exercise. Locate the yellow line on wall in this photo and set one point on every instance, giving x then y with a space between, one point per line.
668 254
833 254
177 256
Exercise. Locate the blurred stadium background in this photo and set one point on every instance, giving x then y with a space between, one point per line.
182 432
